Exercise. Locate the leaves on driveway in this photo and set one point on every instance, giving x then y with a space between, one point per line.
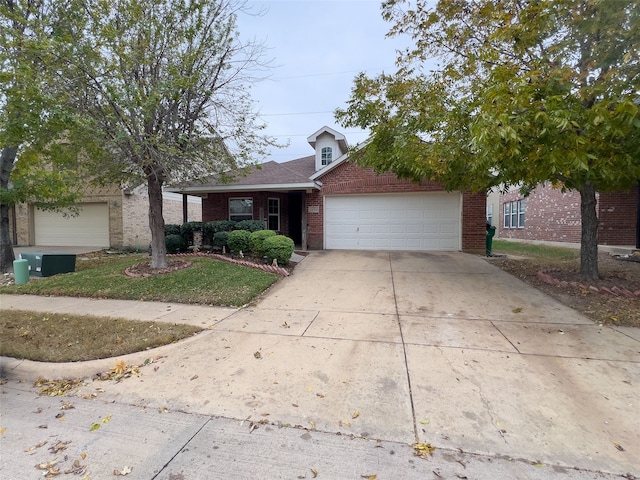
423 450
54 388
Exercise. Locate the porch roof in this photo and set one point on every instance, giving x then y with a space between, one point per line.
269 176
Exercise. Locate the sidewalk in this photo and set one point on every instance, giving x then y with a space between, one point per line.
354 347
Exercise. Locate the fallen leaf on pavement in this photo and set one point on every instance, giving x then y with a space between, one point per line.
31 449
313 424
618 446
125 471
517 310
423 450
54 388
369 477
76 469
346 423
424 421
355 414
314 472
95 426
59 446
258 355
121 367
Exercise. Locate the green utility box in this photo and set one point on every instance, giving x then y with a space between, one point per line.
491 231
45 264
21 271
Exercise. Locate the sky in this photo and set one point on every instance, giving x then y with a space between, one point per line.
317 49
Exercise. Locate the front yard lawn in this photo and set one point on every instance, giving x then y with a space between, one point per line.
206 282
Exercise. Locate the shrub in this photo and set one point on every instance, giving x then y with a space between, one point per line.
220 239
171 229
174 243
249 225
186 231
209 229
280 248
239 241
257 241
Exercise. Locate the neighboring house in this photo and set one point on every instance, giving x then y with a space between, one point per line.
109 217
324 201
548 214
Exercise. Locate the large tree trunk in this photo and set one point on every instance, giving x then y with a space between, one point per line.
156 222
7 159
589 237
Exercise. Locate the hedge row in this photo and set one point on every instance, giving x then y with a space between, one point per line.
261 243
209 229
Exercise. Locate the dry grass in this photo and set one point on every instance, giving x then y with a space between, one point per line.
52 337
563 264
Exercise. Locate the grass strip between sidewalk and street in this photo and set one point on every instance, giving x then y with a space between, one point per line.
61 337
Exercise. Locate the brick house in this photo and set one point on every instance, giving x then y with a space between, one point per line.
548 214
324 201
108 217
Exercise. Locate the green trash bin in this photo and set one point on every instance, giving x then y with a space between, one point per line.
491 231
21 271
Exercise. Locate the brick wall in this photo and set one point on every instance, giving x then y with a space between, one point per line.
474 222
216 206
135 214
550 215
348 178
618 216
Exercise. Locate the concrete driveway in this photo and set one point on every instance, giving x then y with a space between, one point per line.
441 348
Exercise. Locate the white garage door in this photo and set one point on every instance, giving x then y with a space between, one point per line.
423 221
89 229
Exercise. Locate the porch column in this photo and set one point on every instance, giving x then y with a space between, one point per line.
185 210
303 220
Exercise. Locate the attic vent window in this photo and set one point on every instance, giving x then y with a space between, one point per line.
327 155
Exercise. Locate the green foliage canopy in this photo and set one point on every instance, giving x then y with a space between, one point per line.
525 92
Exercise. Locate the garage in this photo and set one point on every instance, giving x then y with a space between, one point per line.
416 221
89 229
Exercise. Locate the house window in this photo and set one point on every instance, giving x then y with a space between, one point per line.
240 209
521 213
514 214
507 215
490 214
274 214
326 155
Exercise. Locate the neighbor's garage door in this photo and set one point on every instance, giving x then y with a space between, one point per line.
423 221
89 229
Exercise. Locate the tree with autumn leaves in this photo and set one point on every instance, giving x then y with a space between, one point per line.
148 92
523 93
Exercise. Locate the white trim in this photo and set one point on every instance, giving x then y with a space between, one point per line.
245 188
269 213
337 161
339 137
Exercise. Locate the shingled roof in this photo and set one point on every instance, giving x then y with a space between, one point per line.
294 174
